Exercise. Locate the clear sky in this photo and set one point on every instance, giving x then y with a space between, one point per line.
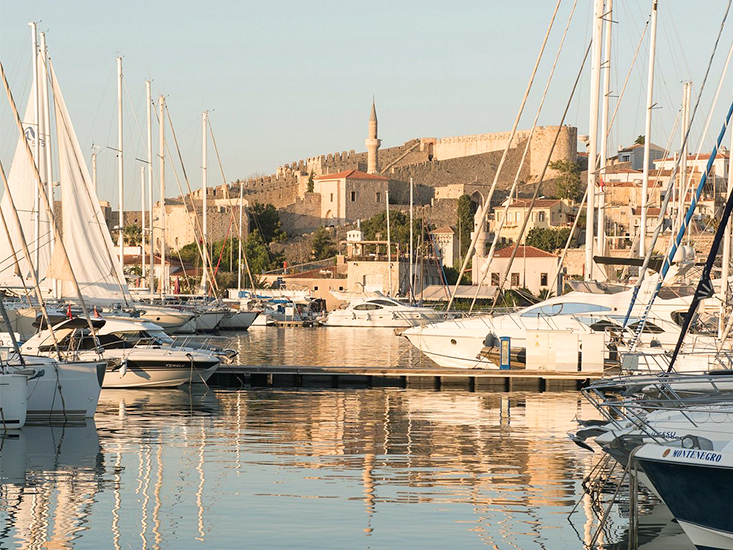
285 80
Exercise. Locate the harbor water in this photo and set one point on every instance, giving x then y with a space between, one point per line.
305 468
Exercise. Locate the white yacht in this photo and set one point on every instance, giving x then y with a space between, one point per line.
593 307
378 310
138 354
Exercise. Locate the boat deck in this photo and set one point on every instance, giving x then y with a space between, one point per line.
432 378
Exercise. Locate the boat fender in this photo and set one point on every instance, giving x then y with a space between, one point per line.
123 368
490 340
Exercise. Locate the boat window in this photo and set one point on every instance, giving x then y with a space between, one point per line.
384 303
367 307
564 308
649 328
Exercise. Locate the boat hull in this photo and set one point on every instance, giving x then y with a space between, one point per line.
208 321
238 320
696 486
76 400
13 401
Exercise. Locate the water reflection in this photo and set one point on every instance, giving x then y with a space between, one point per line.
307 469
318 346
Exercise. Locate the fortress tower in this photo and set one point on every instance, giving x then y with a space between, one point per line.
373 143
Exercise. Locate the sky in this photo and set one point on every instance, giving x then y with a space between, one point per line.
286 80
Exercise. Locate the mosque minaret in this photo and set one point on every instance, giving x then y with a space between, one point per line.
373 143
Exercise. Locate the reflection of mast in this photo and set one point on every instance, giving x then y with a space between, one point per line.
144 484
118 501
156 492
368 475
200 492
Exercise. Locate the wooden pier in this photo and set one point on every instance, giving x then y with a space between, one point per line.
417 377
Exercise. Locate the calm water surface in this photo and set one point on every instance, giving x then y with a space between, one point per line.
380 468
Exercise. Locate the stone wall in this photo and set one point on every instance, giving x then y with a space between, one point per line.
303 216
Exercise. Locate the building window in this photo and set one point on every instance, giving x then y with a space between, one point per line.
543 279
331 197
315 288
542 216
515 279
353 196
379 197
495 279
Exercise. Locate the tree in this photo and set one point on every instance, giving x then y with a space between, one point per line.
311 184
547 239
465 213
639 140
568 181
265 219
399 226
322 245
132 234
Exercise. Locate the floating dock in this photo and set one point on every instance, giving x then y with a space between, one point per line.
431 378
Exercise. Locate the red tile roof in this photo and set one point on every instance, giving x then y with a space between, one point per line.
539 203
350 175
448 230
523 252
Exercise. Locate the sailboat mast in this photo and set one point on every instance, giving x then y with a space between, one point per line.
162 284
142 221
725 260
94 171
36 149
120 173
648 131
46 133
593 136
389 248
412 282
239 251
608 15
683 152
204 194
149 99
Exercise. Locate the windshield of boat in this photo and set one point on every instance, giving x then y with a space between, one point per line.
563 308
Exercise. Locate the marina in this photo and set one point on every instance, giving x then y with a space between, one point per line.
519 337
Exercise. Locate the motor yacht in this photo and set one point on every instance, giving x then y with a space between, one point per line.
378 310
458 343
138 354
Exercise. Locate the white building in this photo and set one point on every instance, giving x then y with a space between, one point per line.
447 245
533 269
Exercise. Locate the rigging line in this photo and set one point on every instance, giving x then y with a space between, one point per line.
544 170
628 76
497 230
642 270
556 276
99 107
239 230
487 204
705 286
688 217
196 223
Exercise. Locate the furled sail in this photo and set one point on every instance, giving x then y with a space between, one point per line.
22 184
83 228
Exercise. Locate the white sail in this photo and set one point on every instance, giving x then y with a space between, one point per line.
83 229
22 184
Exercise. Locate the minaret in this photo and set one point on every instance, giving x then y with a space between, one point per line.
373 143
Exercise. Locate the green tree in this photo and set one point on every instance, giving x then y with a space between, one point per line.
322 245
311 184
639 140
266 219
399 227
568 180
547 239
465 212
132 234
